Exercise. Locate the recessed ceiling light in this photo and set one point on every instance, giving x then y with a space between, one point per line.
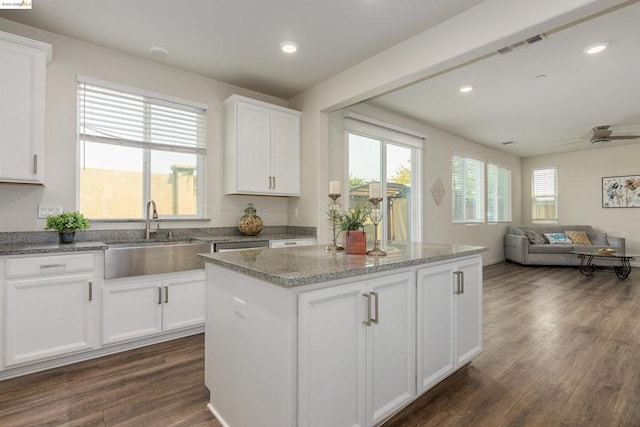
159 51
466 88
596 48
289 47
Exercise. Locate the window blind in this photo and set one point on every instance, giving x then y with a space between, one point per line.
113 116
498 193
467 183
544 194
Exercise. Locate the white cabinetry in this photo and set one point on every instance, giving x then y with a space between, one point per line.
449 319
356 351
22 108
261 148
287 243
138 307
49 307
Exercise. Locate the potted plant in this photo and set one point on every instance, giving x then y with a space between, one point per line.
353 222
66 224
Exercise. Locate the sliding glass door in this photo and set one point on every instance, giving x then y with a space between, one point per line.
395 167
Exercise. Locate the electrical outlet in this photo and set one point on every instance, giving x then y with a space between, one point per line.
296 213
239 307
46 210
264 212
216 213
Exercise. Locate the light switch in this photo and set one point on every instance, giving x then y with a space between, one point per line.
46 210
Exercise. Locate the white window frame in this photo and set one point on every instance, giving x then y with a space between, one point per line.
150 97
388 133
537 197
494 198
479 198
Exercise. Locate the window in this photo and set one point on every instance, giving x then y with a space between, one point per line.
136 146
467 182
498 193
379 153
544 194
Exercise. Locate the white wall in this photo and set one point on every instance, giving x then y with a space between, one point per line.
580 189
437 226
18 203
470 35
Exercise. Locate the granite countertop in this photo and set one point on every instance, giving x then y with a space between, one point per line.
47 248
31 247
291 267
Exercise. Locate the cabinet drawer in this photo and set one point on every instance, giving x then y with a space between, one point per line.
48 265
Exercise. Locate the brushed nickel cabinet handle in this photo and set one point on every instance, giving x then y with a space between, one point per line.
368 321
375 294
35 164
159 295
274 182
458 289
166 295
90 291
42 266
462 282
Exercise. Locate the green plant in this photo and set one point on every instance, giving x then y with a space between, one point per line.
67 222
355 218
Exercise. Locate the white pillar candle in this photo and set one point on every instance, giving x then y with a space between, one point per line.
334 187
375 190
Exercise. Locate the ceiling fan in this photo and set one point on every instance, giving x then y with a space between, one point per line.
604 134
601 134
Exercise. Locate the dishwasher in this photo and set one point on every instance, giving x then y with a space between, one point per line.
239 246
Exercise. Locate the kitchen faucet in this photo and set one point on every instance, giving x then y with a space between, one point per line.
147 228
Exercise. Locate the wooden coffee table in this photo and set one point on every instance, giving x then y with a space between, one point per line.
587 265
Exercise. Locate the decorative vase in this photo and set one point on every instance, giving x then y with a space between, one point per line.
355 242
250 224
67 236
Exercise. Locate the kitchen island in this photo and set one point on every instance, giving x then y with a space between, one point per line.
306 337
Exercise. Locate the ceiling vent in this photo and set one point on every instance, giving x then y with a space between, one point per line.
521 44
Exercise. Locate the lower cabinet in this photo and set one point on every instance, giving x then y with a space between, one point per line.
356 351
449 319
138 307
50 307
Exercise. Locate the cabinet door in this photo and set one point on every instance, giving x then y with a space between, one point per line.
254 149
391 351
183 302
469 312
131 311
48 317
331 357
22 108
435 323
285 153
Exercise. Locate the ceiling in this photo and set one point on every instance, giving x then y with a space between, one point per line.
237 41
542 115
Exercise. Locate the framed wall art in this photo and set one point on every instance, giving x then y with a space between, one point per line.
621 191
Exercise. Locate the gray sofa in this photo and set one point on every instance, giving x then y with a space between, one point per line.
517 247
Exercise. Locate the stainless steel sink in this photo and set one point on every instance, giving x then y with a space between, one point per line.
153 257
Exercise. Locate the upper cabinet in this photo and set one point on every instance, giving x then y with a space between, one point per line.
22 108
261 148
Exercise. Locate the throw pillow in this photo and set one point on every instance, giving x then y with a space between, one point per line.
557 238
599 239
578 237
534 237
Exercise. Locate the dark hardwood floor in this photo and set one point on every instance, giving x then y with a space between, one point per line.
560 349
